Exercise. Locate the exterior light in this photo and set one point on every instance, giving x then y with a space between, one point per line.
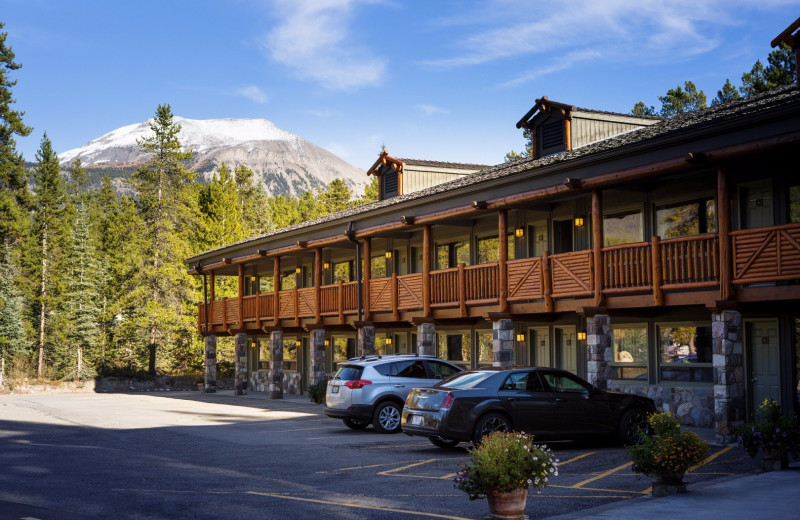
519 232
581 336
578 221
298 270
327 343
388 340
252 278
299 343
521 338
388 255
326 265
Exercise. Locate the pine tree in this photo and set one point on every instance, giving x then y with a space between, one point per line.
222 208
336 197
253 202
372 191
14 196
168 207
13 340
754 81
49 206
526 153
640 109
726 93
679 101
83 296
780 70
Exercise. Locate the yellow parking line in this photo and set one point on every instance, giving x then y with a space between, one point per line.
603 475
356 467
602 490
358 506
573 459
407 466
711 457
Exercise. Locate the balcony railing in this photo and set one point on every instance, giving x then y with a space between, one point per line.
758 256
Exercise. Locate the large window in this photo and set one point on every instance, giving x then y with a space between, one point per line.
489 249
290 354
794 204
629 349
451 254
485 347
288 280
343 272
623 228
344 348
685 353
454 346
686 219
263 353
377 267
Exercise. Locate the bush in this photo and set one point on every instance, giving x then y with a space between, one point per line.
668 449
770 431
316 392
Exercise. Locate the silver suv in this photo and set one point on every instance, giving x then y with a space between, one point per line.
372 389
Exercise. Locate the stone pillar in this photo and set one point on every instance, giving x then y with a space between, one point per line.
276 365
366 340
729 383
598 350
317 355
210 385
503 343
240 364
426 339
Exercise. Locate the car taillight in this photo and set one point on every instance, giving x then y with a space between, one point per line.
357 383
448 401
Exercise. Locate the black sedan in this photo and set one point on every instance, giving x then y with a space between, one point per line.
547 402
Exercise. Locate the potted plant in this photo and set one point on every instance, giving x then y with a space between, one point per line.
666 453
316 392
502 468
771 434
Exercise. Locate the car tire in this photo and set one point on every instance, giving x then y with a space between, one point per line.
354 424
386 418
443 443
632 422
490 423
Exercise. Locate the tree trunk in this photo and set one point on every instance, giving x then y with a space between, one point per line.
40 370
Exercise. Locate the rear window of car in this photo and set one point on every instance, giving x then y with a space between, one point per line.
470 380
348 373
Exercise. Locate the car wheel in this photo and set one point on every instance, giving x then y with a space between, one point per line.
443 443
354 424
633 422
490 423
386 418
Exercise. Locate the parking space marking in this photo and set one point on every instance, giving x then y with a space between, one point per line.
298 429
578 457
602 475
357 467
358 506
391 472
603 490
711 457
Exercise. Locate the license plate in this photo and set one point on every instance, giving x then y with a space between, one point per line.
415 420
334 389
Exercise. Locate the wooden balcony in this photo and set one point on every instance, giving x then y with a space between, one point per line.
759 256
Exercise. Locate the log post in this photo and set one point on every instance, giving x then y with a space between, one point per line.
597 247
658 280
502 267
367 254
341 301
395 298
724 228
276 277
211 285
426 270
547 276
462 288
241 296
317 285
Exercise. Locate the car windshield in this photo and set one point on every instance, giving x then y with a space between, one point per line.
470 380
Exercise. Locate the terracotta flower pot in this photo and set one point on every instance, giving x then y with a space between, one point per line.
509 504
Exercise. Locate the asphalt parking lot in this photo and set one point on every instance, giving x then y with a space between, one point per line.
191 455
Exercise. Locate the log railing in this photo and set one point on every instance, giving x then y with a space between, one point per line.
763 255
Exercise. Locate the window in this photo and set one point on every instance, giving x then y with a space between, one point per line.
344 348
489 249
452 254
564 383
455 347
485 347
440 370
629 349
267 284
288 280
251 285
343 272
685 353
412 369
794 204
623 228
524 381
378 267
380 346
290 355
686 219
263 353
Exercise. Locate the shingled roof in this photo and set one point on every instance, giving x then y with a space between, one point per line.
707 118
442 164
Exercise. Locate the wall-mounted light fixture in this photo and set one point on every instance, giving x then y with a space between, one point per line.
326 265
581 336
299 343
298 270
388 255
327 343
578 221
388 340
252 278
520 232
520 338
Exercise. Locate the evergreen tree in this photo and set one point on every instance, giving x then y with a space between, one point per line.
780 70
726 93
679 101
754 81
640 109
84 298
372 191
14 196
79 178
49 230
168 207
13 340
336 197
222 208
527 152
253 202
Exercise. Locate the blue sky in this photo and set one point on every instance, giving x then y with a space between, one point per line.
436 79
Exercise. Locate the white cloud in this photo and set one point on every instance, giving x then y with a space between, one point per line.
322 114
429 109
570 32
313 38
252 92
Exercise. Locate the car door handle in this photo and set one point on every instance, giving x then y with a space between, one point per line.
399 386
560 400
512 399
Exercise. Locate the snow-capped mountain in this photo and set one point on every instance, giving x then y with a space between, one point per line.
285 163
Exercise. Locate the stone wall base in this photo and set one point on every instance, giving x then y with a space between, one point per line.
693 406
259 381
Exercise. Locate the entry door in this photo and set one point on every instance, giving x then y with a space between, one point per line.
401 261
562 236
756 203
540 347
306 366
764 361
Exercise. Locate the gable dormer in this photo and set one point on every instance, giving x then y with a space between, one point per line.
557 127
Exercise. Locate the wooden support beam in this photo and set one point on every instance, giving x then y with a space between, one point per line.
426 270
317 284
723 233
462 289
367 259
547 278
276 299
658 278
340 294
211 285
395 297
241 296
597 247
502 264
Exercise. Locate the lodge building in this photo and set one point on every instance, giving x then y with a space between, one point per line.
655 256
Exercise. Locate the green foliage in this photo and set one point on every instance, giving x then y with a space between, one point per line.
371 191
780 70
669 449
641 109
506 461
727 93
770 431
524 154
316 392
13 340
681 100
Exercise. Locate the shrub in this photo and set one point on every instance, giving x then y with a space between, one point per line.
770 431
668 449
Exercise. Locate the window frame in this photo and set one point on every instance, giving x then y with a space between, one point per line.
618 365
705 367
